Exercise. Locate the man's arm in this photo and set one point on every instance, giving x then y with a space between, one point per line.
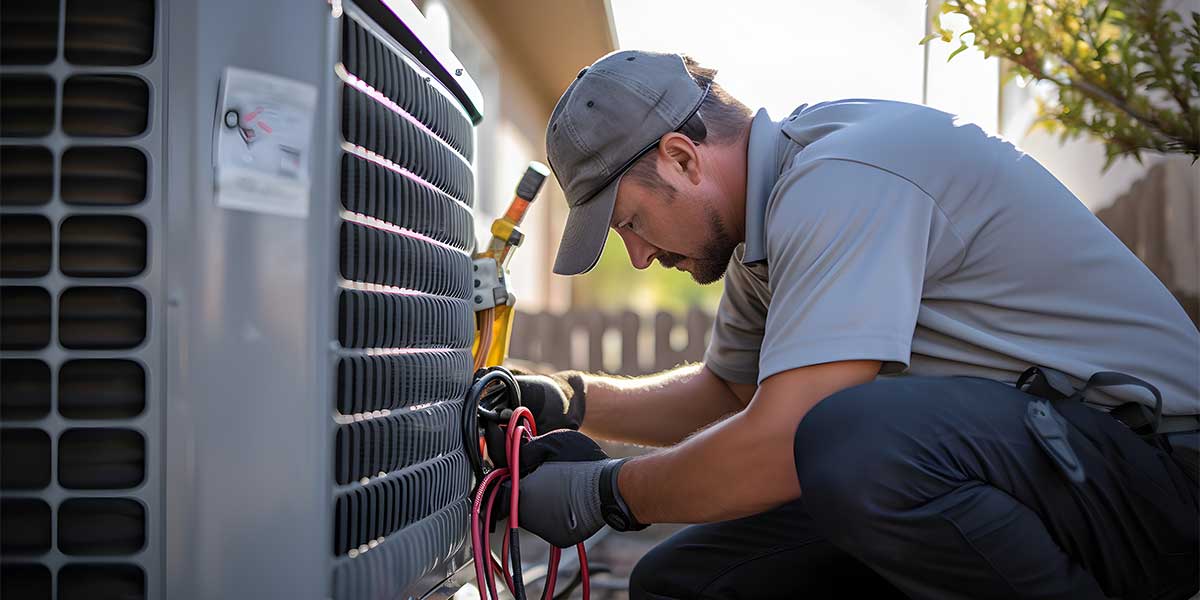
661 409
743 465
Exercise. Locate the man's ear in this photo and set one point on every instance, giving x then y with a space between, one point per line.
679 153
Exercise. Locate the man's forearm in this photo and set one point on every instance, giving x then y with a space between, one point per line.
656 410
744 464
739 467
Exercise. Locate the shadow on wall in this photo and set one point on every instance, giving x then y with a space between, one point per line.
1159 220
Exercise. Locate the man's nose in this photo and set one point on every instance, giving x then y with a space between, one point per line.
641 252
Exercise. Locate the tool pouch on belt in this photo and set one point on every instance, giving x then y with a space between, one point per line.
1049 428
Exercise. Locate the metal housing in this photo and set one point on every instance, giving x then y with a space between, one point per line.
201 402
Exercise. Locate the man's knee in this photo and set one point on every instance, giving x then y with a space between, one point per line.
830 443
641 579
852 455
659 575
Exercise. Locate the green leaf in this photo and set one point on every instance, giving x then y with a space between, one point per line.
1116 47
1109 159
956 52
926 39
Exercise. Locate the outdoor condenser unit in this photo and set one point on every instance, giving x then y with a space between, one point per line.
235 248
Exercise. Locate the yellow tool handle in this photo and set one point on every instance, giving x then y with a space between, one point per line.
494 325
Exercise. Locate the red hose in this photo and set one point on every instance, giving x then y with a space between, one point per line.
481 518
480 552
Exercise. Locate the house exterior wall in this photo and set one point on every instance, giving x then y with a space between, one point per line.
511 135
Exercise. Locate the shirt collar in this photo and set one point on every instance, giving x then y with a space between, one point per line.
762 170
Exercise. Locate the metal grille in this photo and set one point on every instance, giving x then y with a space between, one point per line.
80 485
405 326
369 58
26 175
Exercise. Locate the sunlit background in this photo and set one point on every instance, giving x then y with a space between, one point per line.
779 55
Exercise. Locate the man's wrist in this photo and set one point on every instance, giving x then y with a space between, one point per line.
613 507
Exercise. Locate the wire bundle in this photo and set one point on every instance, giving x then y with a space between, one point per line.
520 428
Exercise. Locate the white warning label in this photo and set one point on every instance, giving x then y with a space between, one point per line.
262 143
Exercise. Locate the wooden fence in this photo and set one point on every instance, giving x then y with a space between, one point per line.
618 343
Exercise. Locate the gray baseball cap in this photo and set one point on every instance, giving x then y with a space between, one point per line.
611 115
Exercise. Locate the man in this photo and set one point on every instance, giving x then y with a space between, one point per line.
861 239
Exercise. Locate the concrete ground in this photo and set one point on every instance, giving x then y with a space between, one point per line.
617 552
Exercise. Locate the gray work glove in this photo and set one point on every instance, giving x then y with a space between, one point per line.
568 488
556 400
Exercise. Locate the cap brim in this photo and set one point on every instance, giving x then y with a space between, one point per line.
585 233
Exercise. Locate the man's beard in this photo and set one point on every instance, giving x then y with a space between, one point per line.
710 266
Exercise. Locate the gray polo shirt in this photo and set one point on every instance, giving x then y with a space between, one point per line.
894 232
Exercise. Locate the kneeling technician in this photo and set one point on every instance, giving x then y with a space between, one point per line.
855 428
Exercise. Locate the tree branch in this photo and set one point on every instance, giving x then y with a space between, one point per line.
1099 94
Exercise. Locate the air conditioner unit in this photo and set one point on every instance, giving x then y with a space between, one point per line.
235 248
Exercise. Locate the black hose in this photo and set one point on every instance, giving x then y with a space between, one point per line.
470 427
514 553
476 396
483 401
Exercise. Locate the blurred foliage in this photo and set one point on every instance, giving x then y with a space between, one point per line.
615 285
1126 71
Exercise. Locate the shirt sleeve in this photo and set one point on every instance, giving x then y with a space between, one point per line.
846 248
737 331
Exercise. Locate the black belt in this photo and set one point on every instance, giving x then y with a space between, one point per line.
1133 415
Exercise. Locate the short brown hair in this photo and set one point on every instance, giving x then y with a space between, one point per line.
720 120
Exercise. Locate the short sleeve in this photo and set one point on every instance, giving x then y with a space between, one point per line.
737 331
846 247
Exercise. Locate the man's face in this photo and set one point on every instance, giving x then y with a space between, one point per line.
676 223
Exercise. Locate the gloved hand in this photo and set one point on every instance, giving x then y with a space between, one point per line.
568 485
556 400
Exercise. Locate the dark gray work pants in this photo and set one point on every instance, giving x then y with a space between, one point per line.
932 488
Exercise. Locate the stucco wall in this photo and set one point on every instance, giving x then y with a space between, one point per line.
515 115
